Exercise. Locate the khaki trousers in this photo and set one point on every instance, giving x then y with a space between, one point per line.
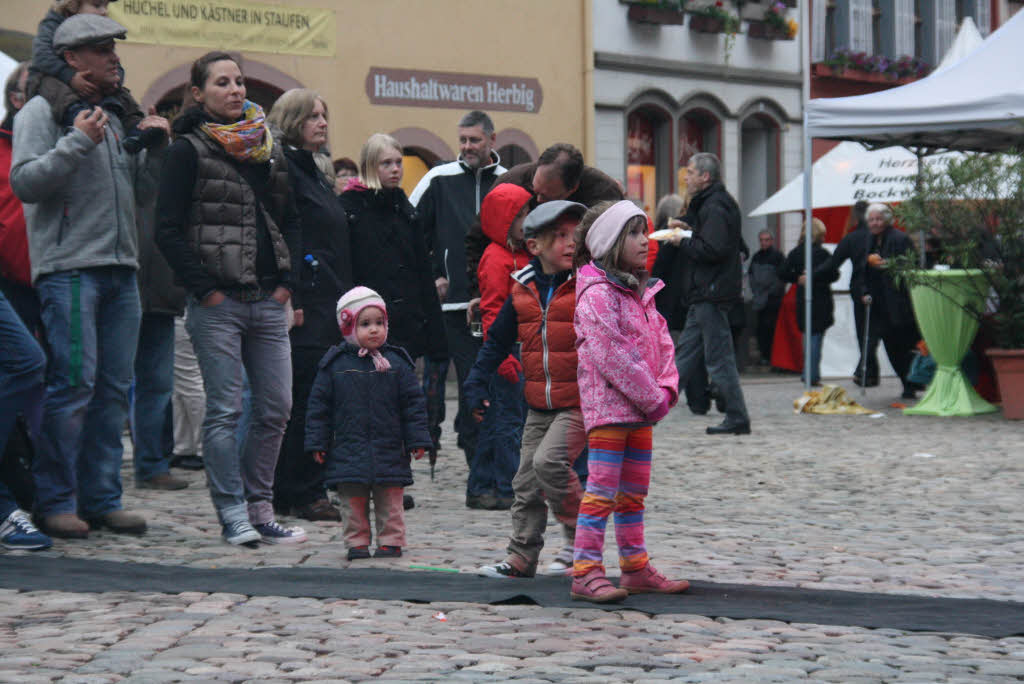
387 510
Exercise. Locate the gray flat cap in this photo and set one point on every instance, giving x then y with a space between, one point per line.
85 29
547 213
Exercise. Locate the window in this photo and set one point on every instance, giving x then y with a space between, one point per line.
830 28
918 30
647 155
699 131
876 25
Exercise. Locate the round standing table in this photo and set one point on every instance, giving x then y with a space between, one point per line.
939 307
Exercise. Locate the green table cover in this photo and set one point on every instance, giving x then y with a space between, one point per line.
948 330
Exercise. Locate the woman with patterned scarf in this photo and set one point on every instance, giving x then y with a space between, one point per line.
228 225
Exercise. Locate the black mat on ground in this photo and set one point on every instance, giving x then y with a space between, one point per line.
737 601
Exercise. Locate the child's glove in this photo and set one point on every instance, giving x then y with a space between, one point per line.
662 410
510 369
318 456
418 453
479 411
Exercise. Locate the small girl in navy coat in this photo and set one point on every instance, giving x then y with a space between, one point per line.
366 415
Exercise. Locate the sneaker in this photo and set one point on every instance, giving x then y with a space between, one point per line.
239 532
647 580
503 570
358 553
274 533
596 588
388 552
19 534
562 563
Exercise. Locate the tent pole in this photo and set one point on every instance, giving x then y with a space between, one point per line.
918 184
805 59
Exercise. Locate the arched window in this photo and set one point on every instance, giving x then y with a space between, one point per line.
760 170
700 130
648 155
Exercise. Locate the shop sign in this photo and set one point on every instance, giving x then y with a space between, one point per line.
454 90
229 25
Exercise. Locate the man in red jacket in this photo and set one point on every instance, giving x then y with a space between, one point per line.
15 276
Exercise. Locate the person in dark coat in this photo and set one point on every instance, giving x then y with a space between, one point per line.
892 317
389 254
853 246
767 290
711 272
366 415
822 307
325 273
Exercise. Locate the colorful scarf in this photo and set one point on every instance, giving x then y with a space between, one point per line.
248 140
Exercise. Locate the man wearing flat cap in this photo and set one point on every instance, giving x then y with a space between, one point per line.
79 189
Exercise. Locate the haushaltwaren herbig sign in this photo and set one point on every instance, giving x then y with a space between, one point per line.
216 24
456 90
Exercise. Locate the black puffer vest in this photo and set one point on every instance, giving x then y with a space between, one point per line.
223 223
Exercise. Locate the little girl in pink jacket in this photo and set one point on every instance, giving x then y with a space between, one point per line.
628 382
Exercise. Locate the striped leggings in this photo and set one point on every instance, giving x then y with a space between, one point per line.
620 472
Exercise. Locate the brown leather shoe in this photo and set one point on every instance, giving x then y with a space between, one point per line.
64 525
163 481
120 522
321 509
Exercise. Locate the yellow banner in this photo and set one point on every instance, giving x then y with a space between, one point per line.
229 25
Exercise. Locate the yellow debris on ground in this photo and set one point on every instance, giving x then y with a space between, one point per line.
829 400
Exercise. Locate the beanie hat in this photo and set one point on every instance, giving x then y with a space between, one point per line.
350 306
608 226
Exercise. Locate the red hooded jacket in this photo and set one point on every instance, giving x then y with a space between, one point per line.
498 263
14 264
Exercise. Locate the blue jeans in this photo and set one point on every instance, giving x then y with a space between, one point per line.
498 441
22 373
154 382
91 318
707 326
230 338
815 365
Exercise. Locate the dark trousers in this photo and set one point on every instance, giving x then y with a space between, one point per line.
707 329
498 440
899 343
298 479
766 318
462 350
154 382
858 321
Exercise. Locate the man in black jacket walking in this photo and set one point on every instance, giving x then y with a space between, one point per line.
712 281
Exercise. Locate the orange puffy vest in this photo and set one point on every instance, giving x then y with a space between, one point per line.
548 341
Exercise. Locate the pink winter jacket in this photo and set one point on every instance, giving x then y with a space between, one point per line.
626 355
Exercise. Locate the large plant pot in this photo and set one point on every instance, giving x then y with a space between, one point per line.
1009 366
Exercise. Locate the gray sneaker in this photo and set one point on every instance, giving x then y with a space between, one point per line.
239 532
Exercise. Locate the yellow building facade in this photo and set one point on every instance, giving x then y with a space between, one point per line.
410 68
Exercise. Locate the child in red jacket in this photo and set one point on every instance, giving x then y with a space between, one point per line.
497 450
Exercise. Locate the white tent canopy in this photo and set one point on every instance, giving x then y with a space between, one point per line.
975 104
6 67
849 172
967 40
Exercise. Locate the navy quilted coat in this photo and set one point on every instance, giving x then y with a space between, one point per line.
366 421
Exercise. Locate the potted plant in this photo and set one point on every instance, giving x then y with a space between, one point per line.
774 24
714 18
971 211
655 11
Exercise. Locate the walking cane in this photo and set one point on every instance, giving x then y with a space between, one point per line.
864 352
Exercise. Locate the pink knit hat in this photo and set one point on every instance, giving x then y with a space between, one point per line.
350 306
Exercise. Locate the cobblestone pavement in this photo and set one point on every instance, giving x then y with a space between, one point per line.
893 504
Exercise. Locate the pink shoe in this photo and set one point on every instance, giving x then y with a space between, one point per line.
647 580
595 587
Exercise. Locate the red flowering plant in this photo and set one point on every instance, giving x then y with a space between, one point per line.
716 10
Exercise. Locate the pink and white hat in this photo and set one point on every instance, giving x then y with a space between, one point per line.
352 304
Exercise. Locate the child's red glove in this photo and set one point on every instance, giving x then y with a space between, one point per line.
318 456
418 453
510 369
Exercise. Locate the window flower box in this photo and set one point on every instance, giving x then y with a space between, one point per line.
763 30
701 23
646 13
